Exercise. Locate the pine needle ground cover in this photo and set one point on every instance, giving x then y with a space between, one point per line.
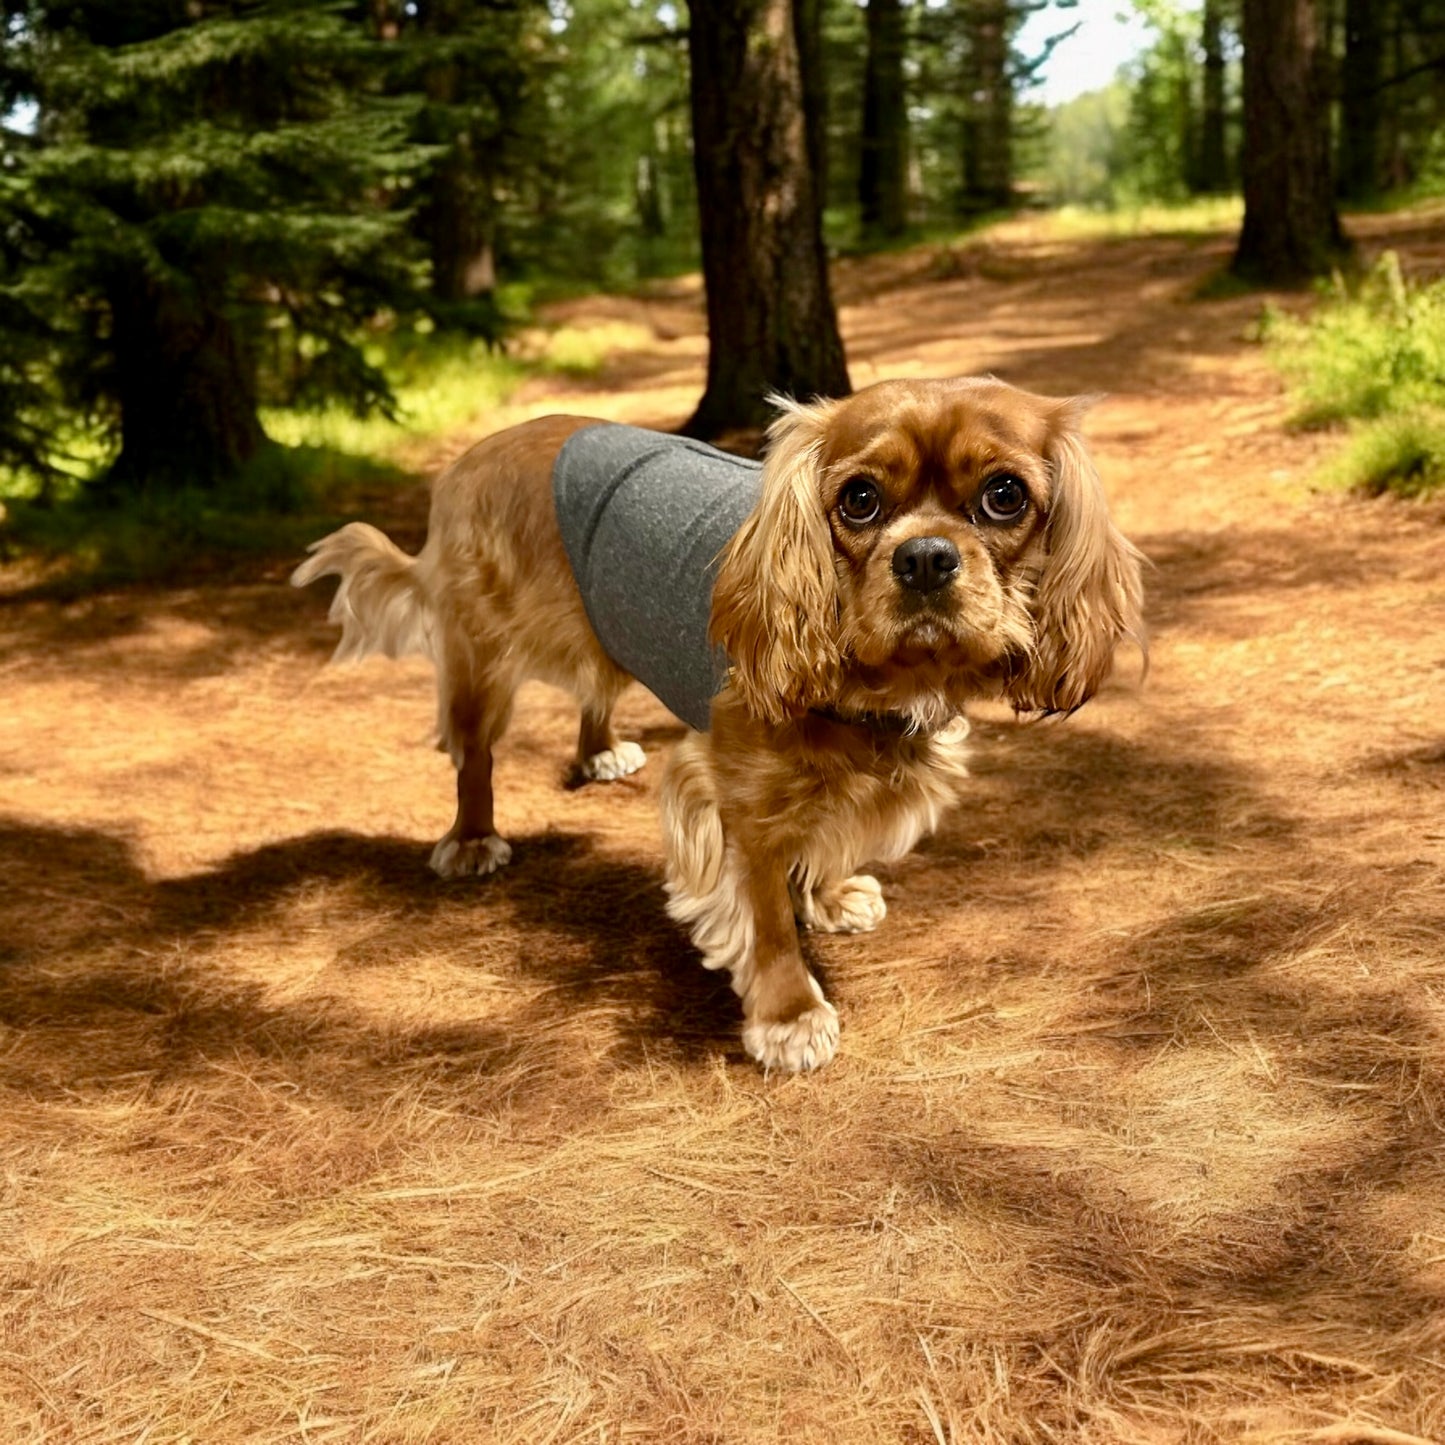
1135 1134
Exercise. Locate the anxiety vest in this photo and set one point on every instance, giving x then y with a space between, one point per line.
645 518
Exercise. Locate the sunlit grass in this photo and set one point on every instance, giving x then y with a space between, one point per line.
440 383
449 383
1203 216
1370 351
1403 453
1372 358
580 352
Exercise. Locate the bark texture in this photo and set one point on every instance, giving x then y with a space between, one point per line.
883 148
186 383
771 320
1291 229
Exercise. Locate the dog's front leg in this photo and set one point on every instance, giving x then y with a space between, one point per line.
845 905
729 887
787 1023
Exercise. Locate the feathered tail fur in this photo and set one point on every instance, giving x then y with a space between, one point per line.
381 604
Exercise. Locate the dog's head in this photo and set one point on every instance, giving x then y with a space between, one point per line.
920 543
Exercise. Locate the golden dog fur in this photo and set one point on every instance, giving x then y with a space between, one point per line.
838 737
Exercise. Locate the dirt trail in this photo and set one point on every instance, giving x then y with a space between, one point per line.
1135 1134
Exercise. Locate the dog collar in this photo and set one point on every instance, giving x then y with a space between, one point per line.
891 724
895 724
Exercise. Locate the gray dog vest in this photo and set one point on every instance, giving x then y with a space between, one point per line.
645 517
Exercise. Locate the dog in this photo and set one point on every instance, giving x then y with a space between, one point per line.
899 553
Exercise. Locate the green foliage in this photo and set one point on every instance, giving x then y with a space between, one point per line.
1369 351
276 503
1084 162
1372 358
1138 141
293 490
206 187
1157 145
1403 454
606 196
1202 216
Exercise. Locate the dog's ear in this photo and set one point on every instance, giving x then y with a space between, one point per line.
1088 595
775 603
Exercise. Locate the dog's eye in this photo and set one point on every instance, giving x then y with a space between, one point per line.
1004 499
860 500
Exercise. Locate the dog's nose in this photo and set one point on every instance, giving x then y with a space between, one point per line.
925 563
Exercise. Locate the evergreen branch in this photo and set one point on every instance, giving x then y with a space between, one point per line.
1435 63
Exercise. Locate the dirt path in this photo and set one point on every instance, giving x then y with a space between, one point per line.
1136 1130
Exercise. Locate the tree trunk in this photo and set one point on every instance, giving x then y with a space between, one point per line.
1213 159
1188 120
883 149
187 389
1291 230
771 322
808 37
987 110
1361 109
455 220
457 216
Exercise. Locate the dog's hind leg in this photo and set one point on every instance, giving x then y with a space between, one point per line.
601 755
474 711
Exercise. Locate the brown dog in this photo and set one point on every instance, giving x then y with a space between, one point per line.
915 546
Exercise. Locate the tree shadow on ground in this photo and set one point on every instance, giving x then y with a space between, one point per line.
586 925
1229 577
1260 997
176 634
107 973
90 939
1061 333
1048 794
590 927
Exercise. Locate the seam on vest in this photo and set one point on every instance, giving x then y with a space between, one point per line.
603 498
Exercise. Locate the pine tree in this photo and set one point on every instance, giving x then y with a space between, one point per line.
972 72
206 207
883 140
757 152
1291 228
476 64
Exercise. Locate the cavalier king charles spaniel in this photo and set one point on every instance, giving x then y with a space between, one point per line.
821 621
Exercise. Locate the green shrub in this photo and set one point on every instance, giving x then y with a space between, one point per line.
1404 454
1372 359
293 490
278 503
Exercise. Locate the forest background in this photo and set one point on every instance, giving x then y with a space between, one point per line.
225 226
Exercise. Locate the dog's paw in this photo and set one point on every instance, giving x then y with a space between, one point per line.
612 763
853 906
468 857
806 1042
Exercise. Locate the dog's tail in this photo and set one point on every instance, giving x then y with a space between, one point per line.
381 603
